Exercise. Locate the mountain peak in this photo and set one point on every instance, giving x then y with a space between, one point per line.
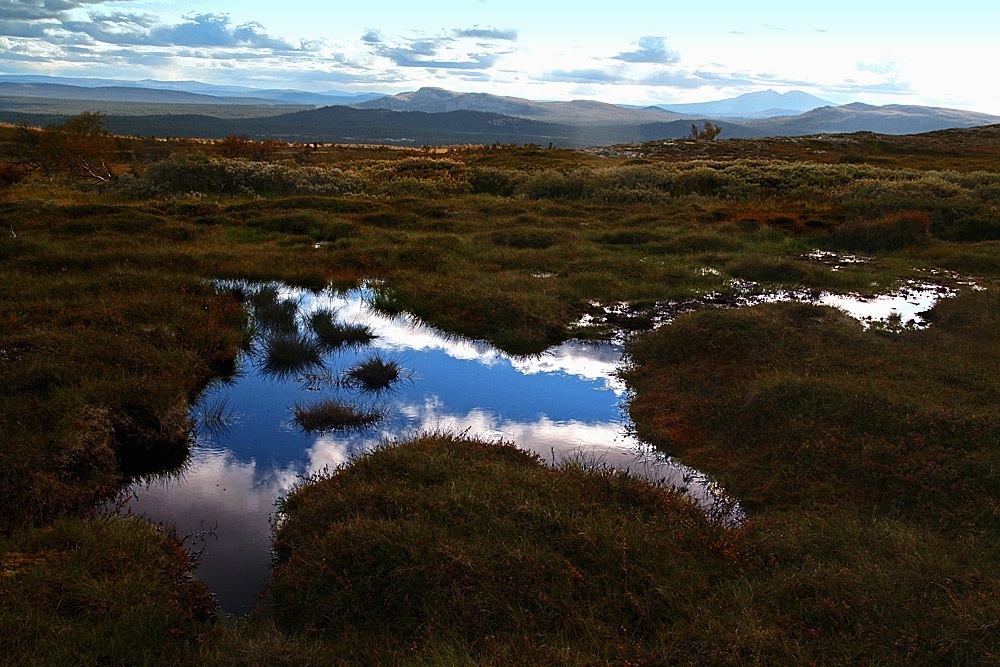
757 104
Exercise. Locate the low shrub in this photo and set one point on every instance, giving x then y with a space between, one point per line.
526 239
182 174
495 181
885 234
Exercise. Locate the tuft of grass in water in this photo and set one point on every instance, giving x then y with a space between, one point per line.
374 374
277 317
332 414
216 416
287 355
391 301
334 334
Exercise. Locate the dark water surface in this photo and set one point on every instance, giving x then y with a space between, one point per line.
566 402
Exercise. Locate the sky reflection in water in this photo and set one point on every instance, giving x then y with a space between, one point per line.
563 403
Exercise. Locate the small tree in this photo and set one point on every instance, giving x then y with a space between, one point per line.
708 132
80 145
20 157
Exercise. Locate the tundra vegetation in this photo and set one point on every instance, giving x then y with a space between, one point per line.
867 458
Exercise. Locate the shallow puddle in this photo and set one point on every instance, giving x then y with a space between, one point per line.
901 309
564 403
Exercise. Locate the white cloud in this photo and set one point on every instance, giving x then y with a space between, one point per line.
650 50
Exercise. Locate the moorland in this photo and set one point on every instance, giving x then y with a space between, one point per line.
866 458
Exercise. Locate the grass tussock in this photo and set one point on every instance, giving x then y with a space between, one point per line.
375 374
112 590
335 415
805 387
287 355
895 481
334 334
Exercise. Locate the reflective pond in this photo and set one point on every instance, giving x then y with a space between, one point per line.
308 350
564 403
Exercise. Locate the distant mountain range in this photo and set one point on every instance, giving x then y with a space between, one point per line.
762 104
858 117
438 116
577 112
150 90
58 91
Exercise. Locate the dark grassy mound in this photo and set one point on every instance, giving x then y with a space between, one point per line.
905 423
868 461
443 542
98 592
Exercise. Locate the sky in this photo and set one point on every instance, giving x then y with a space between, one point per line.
621 52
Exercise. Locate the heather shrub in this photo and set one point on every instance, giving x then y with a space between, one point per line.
885 234
495 181
182 174
553 184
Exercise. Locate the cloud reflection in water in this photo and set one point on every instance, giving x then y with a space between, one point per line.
562 404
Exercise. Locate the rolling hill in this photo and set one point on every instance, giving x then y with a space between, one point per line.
340 124
857 117
576 112
153 91
762 104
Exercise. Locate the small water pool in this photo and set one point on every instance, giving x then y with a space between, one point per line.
564 403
